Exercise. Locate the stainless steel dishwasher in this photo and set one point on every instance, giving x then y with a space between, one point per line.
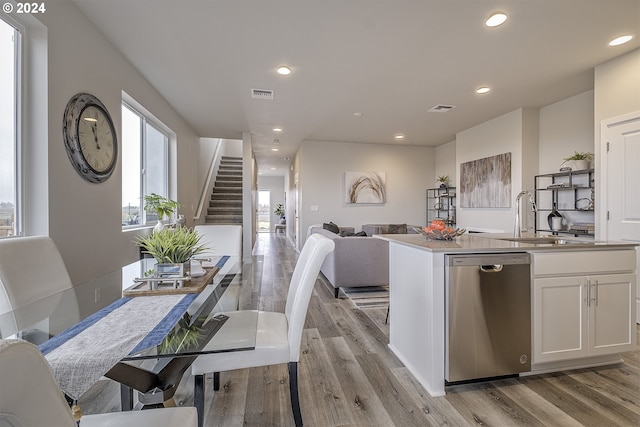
488 316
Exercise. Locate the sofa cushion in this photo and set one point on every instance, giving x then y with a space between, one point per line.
347 233
330 226
397 228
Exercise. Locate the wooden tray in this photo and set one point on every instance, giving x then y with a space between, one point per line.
193 286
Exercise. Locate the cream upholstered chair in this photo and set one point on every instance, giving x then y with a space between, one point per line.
32 270
220 239
279 335
29 396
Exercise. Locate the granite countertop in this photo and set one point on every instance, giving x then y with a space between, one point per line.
495 243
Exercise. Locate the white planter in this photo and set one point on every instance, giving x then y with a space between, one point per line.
577 165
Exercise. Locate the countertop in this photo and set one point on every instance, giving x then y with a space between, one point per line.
491 242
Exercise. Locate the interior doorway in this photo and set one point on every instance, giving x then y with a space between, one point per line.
264 211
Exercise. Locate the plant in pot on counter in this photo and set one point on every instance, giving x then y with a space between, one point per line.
443 181
161 206
578 160
171 246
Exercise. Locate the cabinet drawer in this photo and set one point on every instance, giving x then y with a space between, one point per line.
584 262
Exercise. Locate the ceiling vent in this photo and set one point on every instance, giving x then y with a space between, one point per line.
442 108
261 93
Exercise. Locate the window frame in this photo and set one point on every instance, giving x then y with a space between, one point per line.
146 119
18 146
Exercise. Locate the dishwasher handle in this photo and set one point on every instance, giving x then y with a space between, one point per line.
495 268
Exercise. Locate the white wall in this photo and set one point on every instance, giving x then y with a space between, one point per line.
249 197
445 164
565 127
84 218
510 133
409 172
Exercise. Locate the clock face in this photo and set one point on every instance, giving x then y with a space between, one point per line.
90 138
96 139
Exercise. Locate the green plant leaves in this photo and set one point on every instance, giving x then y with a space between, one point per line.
171 245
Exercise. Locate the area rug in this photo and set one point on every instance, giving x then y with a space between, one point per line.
368 297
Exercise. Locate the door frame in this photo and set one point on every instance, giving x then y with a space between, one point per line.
602 175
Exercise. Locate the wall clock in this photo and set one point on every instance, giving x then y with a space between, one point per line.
90 137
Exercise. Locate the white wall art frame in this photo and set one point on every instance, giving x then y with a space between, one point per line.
365 187
486 183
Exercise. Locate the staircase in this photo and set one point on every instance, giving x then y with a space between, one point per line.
225 206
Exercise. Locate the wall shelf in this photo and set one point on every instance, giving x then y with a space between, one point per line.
573 195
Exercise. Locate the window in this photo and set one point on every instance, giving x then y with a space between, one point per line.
9 148
144 165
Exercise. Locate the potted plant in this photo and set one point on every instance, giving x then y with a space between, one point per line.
279 210
172 246
161 206
578 161
443 180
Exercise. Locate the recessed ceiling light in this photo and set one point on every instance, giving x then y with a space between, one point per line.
399 137
620 40
283 70
496 19
277 129
357 114
275 149
273 169
482 90
276 141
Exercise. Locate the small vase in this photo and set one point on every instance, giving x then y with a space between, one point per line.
159 226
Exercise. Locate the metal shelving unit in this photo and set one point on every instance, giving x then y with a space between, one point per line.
441 204
573 193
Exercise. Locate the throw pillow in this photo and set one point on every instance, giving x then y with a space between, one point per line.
344 233
330 226
397 228
361 234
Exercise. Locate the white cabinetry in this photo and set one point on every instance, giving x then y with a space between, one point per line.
583 304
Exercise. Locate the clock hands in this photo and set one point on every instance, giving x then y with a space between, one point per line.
94 128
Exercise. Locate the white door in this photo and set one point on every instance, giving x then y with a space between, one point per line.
623 179
620 212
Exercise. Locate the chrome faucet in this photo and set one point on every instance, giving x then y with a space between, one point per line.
517 231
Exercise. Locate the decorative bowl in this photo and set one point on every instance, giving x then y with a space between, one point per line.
446 234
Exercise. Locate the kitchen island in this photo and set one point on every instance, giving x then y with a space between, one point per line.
582 300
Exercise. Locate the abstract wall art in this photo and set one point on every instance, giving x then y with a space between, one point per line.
486 183
365 187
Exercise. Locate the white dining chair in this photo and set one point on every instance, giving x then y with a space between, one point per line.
32 270
29 396
220 239
279 335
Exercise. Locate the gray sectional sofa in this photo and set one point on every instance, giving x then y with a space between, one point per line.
356 261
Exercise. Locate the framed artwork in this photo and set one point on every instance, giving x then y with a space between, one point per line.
364 187
486 183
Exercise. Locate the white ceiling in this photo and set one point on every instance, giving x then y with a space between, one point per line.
391 60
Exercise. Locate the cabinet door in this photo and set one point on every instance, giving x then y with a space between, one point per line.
559 319
612 314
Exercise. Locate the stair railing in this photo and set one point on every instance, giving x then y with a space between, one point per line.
207 187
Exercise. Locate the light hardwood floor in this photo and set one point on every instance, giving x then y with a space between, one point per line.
348 376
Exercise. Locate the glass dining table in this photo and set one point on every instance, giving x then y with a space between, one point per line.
146 343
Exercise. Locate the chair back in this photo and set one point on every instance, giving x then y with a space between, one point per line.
31 269
220 239
305 273
29 395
